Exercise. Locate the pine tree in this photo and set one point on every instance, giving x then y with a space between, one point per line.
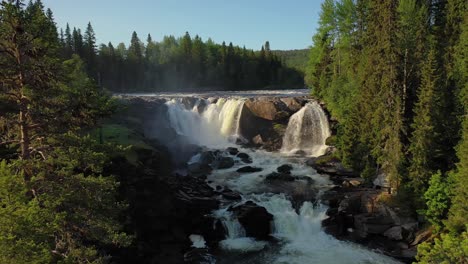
68 42
90 50
423 147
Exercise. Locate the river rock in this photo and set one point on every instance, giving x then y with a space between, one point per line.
255 219
293 104
244 157
276 176
229 194
272 109
199 255
258 140
286 168
328 164
249 169
232 151
395 233
199 168
223 163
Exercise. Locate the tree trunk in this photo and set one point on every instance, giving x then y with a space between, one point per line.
24 130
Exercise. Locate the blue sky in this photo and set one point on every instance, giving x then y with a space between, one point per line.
286 24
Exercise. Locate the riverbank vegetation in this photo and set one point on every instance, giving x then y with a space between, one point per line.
394 74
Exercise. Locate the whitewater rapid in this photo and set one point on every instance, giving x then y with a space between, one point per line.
300 238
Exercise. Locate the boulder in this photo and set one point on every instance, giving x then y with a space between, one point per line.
328 164
286 168
258 140
223 163
199 255
395 233
351 204
352 182
255 219
232 151
199 168
272 109
206 157
381 180
369 224
249 169
229 194
244 157
293 104
275 176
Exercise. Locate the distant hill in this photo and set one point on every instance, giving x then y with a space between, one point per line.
294 58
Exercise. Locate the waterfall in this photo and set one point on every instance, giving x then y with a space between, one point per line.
216 126
307 131
236 239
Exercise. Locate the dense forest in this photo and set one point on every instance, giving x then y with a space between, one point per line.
296 59
183 63
394 74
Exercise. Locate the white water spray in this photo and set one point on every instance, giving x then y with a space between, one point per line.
214 127
307 131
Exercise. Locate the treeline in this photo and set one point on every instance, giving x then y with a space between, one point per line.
58 201
297 59
178 64
394 73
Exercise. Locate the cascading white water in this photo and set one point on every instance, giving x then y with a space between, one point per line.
301 238
307 131
214 127
236 239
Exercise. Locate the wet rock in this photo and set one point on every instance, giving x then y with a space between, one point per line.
258 140
206 157
231 195
198 255
272 109
255 219
351 204
408 254
249 169
245 157
275 176
199 168
286 168
293 104
223 163
328 164
368 224
232 151
352 182
395 233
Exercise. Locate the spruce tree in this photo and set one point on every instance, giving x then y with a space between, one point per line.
423 146
90 50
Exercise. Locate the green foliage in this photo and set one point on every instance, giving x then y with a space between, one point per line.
57 203
437 199
423 147
184 63
66 211
296 59
444 250
394 74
